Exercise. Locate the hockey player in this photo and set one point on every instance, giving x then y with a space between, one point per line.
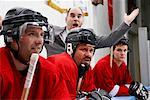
24 31
115 77
75 62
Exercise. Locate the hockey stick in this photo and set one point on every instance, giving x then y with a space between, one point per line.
111 56
79 84
81 76
29 77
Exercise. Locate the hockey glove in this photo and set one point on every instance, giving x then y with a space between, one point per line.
97 94
138 90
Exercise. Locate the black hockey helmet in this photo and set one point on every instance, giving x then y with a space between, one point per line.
124 41
79 35
16 17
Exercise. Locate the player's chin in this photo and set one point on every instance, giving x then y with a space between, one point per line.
87 62
36 50
122 59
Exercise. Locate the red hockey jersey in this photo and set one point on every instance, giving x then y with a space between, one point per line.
114 80
47 81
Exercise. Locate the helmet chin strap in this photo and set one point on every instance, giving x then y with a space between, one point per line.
16 55
19 58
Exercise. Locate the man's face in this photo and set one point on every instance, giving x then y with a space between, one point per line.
74 19
83 53
31 41
120 53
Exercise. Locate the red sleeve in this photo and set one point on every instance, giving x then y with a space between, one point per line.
128 78
88 81
60 91
123 90
56 86
68 72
